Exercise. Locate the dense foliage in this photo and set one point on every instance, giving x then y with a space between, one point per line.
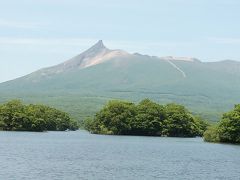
15 116
145 118
227 130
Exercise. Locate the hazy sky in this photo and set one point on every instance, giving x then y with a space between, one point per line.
40 33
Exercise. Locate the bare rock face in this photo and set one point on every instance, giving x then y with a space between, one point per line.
173 58
97 54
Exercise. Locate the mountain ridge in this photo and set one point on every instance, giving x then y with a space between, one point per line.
96 54
99 53
84 83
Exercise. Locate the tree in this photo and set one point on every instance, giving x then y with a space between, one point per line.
229 127
211 134
179 122
15 116
11 115
227 130
149 118
145 118
202 125
115 118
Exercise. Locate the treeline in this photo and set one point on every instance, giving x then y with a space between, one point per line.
124 118
15 116
146 118
227 130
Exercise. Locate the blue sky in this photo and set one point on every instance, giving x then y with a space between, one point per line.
36 34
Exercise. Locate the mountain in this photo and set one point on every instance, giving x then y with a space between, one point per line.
95 55
84 83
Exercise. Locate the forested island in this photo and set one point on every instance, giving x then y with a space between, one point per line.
15 116
227 130
146 118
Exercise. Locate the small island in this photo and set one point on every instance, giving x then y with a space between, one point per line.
147 119
15 116
227 130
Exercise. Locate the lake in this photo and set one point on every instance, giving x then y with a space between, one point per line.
80 155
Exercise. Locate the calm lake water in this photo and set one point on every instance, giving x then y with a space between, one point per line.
80 155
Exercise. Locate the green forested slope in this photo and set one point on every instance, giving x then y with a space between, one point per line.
207 89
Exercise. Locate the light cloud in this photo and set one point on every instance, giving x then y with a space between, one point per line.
44 41
76 45
149 44
87 41
18 24
224 40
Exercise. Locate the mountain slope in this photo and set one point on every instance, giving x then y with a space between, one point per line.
84 83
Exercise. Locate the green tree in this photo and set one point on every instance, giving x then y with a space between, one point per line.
146 118
11 115
202 125
115 118
149 118
179 122
227 130
15 116
229 127
211 134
